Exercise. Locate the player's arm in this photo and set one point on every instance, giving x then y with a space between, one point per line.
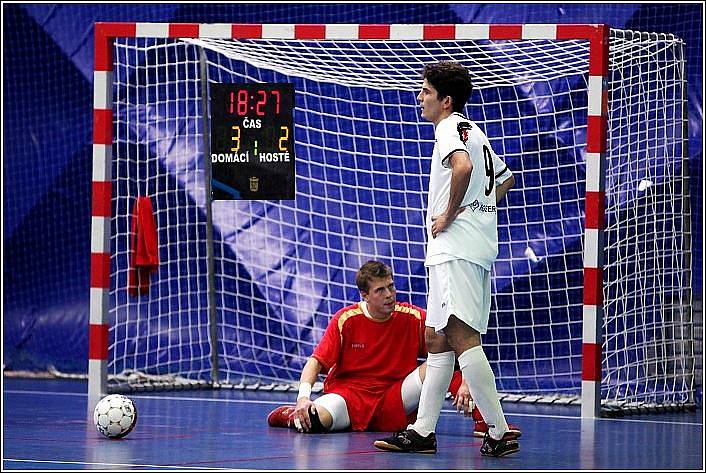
461 168
310 374
502 189
504 180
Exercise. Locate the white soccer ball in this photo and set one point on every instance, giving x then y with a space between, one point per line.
115 416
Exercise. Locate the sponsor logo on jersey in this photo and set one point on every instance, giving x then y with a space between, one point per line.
477 206
357 345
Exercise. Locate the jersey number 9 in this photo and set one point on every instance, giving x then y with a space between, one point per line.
489 170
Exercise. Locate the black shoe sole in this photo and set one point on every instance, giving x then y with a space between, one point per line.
503 454
382 445
481 435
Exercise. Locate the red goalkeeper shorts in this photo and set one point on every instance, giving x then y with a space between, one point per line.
371 411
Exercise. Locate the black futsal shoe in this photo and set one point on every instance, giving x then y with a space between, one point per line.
408 441
500 448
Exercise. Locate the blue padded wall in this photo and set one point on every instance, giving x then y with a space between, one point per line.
47 155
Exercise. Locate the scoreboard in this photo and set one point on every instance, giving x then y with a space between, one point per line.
252 141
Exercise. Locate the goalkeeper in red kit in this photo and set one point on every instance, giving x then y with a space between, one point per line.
370 351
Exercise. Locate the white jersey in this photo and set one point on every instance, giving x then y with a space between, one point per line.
473 236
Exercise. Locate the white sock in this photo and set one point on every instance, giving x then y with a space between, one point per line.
481 382
440 368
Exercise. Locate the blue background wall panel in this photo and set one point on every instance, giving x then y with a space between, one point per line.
47 155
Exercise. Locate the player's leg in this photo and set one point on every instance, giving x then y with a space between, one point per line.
283 416
441 358
471 305
330 415
397 406
499 441
412 387
478 375
332 412
440 366
411 391
419 436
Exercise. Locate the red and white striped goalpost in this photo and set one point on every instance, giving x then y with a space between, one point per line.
596 140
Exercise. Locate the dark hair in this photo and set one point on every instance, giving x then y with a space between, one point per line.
371 270
450 79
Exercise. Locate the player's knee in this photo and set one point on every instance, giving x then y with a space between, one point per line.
317 426
460 336
435 341
333 412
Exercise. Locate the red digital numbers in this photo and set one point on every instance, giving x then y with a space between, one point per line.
276 94
241 103
261 103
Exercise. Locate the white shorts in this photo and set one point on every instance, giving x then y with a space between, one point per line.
461 288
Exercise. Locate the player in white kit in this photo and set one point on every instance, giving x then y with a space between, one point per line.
462 246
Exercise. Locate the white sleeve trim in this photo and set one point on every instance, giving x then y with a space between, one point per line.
503 175
446 160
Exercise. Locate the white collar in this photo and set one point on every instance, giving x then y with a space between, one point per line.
364 307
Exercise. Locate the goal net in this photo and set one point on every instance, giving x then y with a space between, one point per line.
283 268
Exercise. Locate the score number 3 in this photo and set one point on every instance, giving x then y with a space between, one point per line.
235 137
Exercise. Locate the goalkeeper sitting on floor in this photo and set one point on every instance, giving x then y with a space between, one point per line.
370 352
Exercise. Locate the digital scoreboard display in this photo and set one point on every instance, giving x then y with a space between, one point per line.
252 141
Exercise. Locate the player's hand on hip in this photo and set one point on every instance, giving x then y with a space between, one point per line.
463 400
442 222
439 224
301 414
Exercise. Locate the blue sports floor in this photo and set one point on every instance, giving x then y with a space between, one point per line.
45 427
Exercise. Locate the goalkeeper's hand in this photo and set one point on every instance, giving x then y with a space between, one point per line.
301 414
463 400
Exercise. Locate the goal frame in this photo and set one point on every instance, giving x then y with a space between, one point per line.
598 36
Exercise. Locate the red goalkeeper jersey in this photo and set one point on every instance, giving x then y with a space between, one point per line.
370 356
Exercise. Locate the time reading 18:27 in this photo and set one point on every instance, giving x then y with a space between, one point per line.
242 103
252 141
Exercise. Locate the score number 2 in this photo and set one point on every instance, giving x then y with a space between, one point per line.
235 138
283 139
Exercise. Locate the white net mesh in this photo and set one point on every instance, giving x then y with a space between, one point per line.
395 65
284 267
648 327
157 154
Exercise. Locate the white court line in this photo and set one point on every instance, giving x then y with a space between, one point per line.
180 467
277 403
